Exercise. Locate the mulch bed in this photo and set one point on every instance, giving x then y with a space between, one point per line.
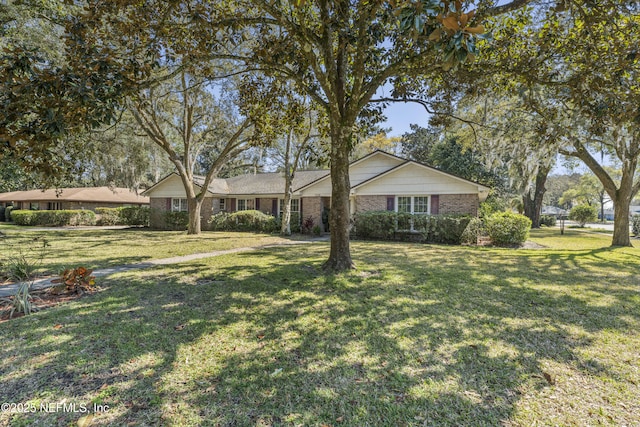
42 299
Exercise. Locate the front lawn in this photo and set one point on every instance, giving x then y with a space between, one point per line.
418 335
106 248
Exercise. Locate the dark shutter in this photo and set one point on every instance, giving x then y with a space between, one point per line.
257 204
274 207
391 203
435 205
233 205
169 203
301 211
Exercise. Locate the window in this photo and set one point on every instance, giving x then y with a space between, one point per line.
179 205
421 205
54 206
295 205
34 206
404 204
223 205
246 204
413 204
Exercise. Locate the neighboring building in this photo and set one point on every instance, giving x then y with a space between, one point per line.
73 198
554 211
379 181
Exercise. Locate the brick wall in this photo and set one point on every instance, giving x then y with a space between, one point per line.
312 207
266 206
371 203
459 204
158 207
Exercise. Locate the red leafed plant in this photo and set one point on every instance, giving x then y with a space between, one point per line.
75 280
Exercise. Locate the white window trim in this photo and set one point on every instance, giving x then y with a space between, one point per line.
281 205
222 205
183 206
412 212
245 204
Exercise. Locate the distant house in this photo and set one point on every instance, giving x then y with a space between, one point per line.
379 181
554 211
73 198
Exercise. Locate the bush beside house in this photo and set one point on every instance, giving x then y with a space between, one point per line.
127 215
398 226
56 218
508 228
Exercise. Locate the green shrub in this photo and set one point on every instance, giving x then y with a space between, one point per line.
294 222
135 215
54 218
475 229
548 220
7 213
635 225
251 220
176 220
583 214
508 228
109 216
23 217
126 215
386 225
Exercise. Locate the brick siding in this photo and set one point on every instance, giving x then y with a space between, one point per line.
371 203
459 204
158 207
312 207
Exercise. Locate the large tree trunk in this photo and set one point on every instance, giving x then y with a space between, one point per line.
285 228
621 218
339 217
533 202
195 222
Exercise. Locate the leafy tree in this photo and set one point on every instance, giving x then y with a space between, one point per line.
556 186
583 214
339 53
186 121
378 141
444 151
578 69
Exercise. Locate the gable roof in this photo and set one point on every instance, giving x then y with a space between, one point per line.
82 194
431 168
354 163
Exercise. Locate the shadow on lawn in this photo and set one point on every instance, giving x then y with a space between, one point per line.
448 339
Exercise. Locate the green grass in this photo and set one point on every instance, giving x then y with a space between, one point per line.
418 335
105 248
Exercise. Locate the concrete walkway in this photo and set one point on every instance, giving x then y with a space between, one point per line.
8 290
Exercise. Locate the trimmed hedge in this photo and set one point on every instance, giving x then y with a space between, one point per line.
635 225
385 225
127 215
177 221
251 220
56 218
508 228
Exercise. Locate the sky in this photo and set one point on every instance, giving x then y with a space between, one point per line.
400 115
